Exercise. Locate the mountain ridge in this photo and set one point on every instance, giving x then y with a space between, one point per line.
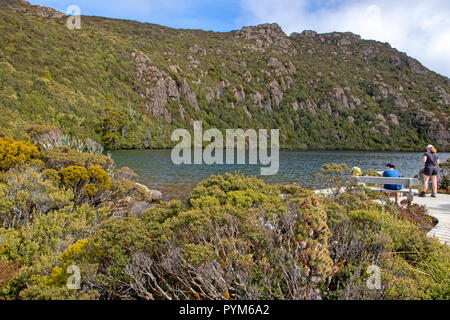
130 84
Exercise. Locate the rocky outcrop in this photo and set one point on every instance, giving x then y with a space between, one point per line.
305 33
394 119
402 60
44 135
26 8
401 102
93 146
326 106
155 195
198 50
125 173
139 207
381 127
308 107
155 87
444 96
274 62
340 99
279 68
266 36
239 94
416 67
434 128
247 112
50 137
248 76
341 39
187 92
182 111
221 88
276 95
384 92
172 90
257 99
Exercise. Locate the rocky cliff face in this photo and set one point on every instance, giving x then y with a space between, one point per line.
156 88
331 90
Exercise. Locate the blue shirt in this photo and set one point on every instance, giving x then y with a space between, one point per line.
391 173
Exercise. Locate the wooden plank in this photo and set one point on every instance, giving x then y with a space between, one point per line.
415 191
439 208
387 180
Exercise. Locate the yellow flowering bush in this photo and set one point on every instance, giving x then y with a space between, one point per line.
14 153
74 175
99 177
85 182
90 190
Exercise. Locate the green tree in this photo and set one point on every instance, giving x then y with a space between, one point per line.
113 127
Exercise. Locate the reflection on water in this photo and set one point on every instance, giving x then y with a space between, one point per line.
157 171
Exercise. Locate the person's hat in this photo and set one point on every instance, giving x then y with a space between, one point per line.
390 165
429 146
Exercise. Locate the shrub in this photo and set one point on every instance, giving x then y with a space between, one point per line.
99 177
312 232
7 273
245 198
54 238
444 176
85 182
14 153
366 233
333 176
78 254
204 202
236 238
61 158
231 239
74 176
371 173
43 292
25 193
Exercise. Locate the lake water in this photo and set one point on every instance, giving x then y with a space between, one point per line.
157 171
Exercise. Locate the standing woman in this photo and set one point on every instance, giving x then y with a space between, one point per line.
431 161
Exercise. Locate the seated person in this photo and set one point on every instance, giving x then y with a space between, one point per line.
392 173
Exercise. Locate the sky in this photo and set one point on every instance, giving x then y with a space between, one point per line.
421 28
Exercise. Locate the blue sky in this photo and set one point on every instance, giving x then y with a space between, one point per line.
216 15
421 28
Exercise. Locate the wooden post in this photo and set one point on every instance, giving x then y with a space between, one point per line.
410 195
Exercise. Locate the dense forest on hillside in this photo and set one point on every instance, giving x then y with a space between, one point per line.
126 84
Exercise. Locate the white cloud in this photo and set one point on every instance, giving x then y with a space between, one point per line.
419 28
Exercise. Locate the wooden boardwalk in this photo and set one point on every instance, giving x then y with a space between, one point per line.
439 208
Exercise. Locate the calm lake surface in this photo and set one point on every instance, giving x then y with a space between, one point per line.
157 171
